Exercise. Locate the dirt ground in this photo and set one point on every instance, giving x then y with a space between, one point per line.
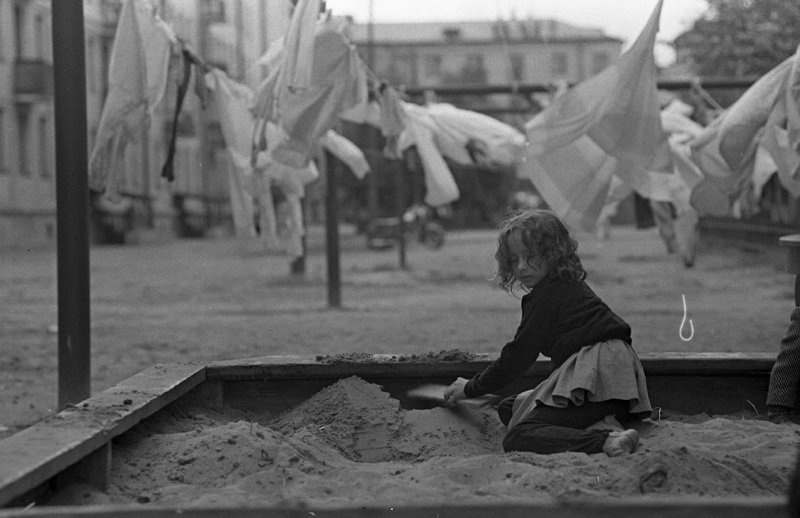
160 302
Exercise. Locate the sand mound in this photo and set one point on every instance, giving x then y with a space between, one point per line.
353 445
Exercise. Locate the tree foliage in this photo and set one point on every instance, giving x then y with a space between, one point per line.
740 38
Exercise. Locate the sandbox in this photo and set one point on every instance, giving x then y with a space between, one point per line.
332 435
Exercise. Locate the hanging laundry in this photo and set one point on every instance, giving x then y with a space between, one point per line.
447 143
265 97
291 182
492 142
338 83
745 118
776 142
159 40
137 80
792 100
681 130
350 154
578 192
366 112
298 46
183 74
781 137
608 124
233 111
617 109
440 185
392 120
726 150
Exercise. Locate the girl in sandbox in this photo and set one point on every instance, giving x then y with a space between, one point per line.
597 372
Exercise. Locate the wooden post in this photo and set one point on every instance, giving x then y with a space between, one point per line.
400 198
332 229
792 244
298 265
72 202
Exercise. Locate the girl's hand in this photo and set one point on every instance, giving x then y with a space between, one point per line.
455 392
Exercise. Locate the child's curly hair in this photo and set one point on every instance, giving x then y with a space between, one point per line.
546 236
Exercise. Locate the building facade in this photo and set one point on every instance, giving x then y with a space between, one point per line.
488 53
228 34
27 183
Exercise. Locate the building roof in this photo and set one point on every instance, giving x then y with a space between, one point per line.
544 30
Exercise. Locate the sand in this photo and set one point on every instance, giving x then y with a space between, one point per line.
352 445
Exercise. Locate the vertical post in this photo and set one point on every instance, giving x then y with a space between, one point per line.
202 119
298 264
400 199
146 183
332 229
372 178
72 202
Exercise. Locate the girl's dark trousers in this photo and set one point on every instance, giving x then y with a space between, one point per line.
556 430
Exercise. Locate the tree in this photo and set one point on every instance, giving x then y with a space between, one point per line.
740 38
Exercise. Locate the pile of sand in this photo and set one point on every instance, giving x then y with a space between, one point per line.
351 444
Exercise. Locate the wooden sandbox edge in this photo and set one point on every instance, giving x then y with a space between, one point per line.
79 436
76 442
661 507
399 365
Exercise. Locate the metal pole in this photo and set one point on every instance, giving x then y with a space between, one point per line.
332 229
72 202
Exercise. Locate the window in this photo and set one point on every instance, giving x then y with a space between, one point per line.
404 67
22 131
474 70
600 61
433 65
558 64
451 33
38 35
44 155
517 67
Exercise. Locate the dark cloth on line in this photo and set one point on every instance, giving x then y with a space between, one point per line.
167 171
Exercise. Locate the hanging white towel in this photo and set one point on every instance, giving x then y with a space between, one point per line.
343 149
607 124
441 188
233 102
338 82
137 78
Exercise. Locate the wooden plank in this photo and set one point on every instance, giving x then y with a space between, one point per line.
712 395
687 394
38 453
675 507
691 383
403 366
94 469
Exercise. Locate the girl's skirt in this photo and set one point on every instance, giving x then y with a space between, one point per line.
606 370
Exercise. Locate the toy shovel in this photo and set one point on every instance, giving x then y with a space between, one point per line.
435 394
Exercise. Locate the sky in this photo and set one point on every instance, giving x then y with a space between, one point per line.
620 18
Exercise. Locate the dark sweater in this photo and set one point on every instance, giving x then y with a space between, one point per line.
558 318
